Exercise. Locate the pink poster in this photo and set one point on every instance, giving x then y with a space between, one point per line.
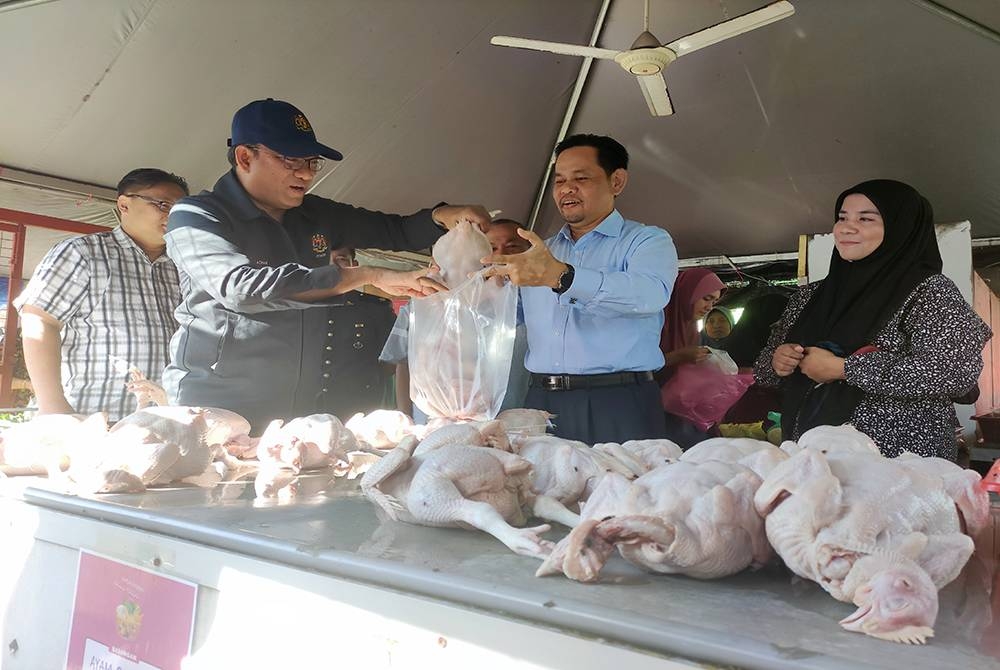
129 618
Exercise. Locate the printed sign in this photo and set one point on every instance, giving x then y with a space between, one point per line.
129 618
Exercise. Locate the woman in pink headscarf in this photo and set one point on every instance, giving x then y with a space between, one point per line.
695 293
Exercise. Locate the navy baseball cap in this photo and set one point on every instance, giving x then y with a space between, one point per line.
280 126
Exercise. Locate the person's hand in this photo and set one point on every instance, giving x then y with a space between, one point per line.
534 267
450 216
822 366
786 358
687 355
415 283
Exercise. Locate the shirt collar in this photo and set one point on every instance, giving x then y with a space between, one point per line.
124 240
232 191
611 226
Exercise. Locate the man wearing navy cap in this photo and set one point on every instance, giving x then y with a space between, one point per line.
253 259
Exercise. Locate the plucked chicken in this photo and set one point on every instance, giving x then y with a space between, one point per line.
683 518
881 533
456 485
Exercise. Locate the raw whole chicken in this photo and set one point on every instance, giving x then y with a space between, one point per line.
47 443
382 428
228 431
685 518
641 456
457 485
459 253
563 473
307 443
869 530
159 445
155 445
759 456
829 439
462 340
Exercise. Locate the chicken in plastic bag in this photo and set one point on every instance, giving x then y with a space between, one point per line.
461 341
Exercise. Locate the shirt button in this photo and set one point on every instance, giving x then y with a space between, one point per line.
329 334
326 375
326 362
330 322
325 390
329 348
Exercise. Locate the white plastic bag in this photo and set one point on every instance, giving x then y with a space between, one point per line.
721 360
460 347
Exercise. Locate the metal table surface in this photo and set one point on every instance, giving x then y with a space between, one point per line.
763 619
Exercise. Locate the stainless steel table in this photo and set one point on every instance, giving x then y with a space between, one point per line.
764 619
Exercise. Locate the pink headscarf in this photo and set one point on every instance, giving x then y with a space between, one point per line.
680 328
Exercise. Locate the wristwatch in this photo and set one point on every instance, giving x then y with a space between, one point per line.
565 280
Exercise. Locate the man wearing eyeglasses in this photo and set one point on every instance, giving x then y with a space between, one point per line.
97 300
253 255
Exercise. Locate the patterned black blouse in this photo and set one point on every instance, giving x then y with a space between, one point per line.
929 352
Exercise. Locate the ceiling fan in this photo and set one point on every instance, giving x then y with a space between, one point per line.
647 58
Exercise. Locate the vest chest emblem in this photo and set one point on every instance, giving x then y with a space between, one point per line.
320 245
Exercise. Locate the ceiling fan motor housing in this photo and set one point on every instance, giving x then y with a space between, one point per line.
646 61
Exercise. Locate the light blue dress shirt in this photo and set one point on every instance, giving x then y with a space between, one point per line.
611 317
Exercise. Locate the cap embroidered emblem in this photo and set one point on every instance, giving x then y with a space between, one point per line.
320 245
301 123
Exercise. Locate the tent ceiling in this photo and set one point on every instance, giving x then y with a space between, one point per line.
770 126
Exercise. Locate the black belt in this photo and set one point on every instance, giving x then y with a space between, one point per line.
575 382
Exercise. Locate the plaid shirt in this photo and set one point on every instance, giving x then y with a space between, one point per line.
113 303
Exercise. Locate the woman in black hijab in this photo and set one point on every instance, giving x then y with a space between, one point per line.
884 341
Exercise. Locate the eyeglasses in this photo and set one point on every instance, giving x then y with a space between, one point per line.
162 205
314 163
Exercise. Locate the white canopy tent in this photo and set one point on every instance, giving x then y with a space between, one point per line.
769 126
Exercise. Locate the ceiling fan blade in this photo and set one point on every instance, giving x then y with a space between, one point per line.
654 89
554 47
731 28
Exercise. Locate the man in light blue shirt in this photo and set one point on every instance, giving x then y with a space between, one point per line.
593 297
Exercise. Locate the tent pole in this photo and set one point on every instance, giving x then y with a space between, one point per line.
951 15
21 4
574 100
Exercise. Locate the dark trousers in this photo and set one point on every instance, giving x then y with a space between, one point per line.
607 414
684 433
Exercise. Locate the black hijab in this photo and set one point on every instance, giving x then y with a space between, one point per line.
857 298
750 333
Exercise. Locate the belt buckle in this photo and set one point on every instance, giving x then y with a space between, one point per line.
554 383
